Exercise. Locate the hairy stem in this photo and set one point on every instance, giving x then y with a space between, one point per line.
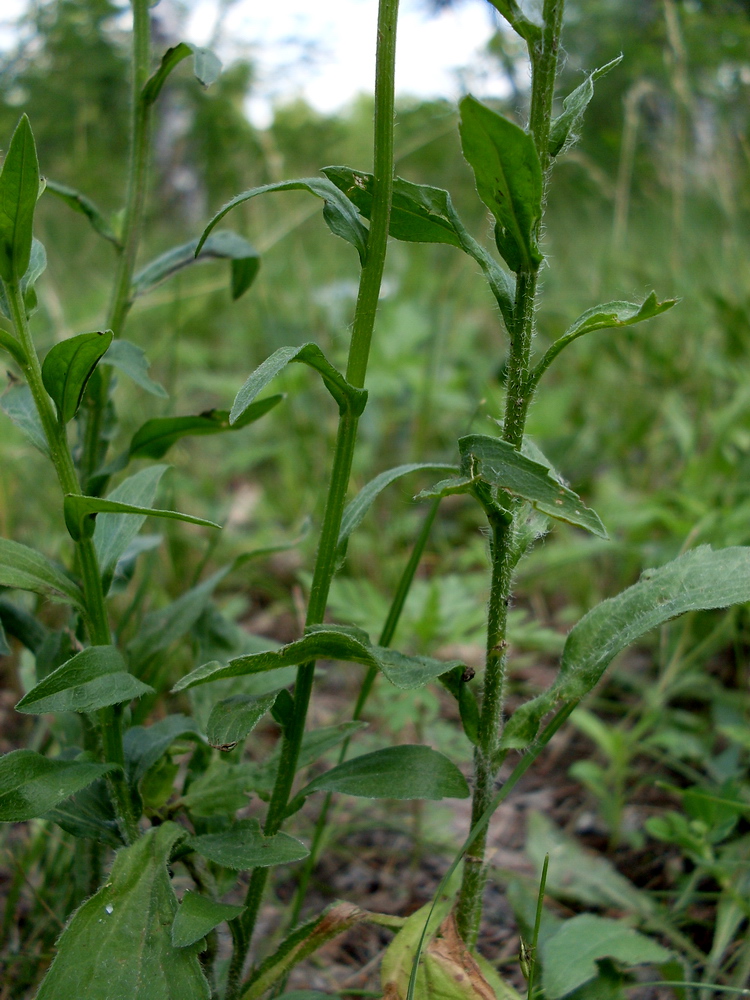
140 148
386 638
97 621
325 562
543 50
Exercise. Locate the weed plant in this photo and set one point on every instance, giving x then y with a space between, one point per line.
166 794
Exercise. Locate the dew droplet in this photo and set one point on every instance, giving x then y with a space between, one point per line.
109 908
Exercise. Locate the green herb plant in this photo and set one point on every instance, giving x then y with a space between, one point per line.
117 785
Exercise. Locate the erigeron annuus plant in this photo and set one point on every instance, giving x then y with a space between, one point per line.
116 788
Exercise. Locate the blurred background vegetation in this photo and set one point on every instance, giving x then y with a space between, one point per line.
650 425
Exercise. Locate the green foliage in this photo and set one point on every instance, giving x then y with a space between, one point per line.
31 785
68 367
119 942
19 190
198 915
405 772
243 846
94 678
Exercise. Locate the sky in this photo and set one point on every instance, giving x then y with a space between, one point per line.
325 52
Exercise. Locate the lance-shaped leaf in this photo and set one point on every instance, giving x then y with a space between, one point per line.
233 718
564 129
339 213
197 916
244 846
603 317
94 678
23 626
80 512
424 214
19 190
131 360
696 581
223 245
496 462
331 642
22 568
18 405
81 203
347 396
156 437
206 68
67 368
355 511
31 785
403 772
5 649
113 533
143 746
509 180
119 944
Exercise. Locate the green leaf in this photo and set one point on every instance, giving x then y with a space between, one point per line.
698 580
23 626
131 360
233 718
509 180
221 790
80 512
156 437
223 245
88 815
243 846
80 203
19 406
143 746
5 649
22 568
347 396
197 916
355 511
496 462
30 784
113 533
206 68
94 678
159 629
339 213
425 214
67 368
9 343
603 317
19 189
402 772
569 957
563 131
332 643
118 944
419 213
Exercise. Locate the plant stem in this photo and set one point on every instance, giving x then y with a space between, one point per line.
97 621
543 51
386 638
325 562
140 147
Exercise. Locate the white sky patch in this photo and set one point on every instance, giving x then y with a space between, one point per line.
325 53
